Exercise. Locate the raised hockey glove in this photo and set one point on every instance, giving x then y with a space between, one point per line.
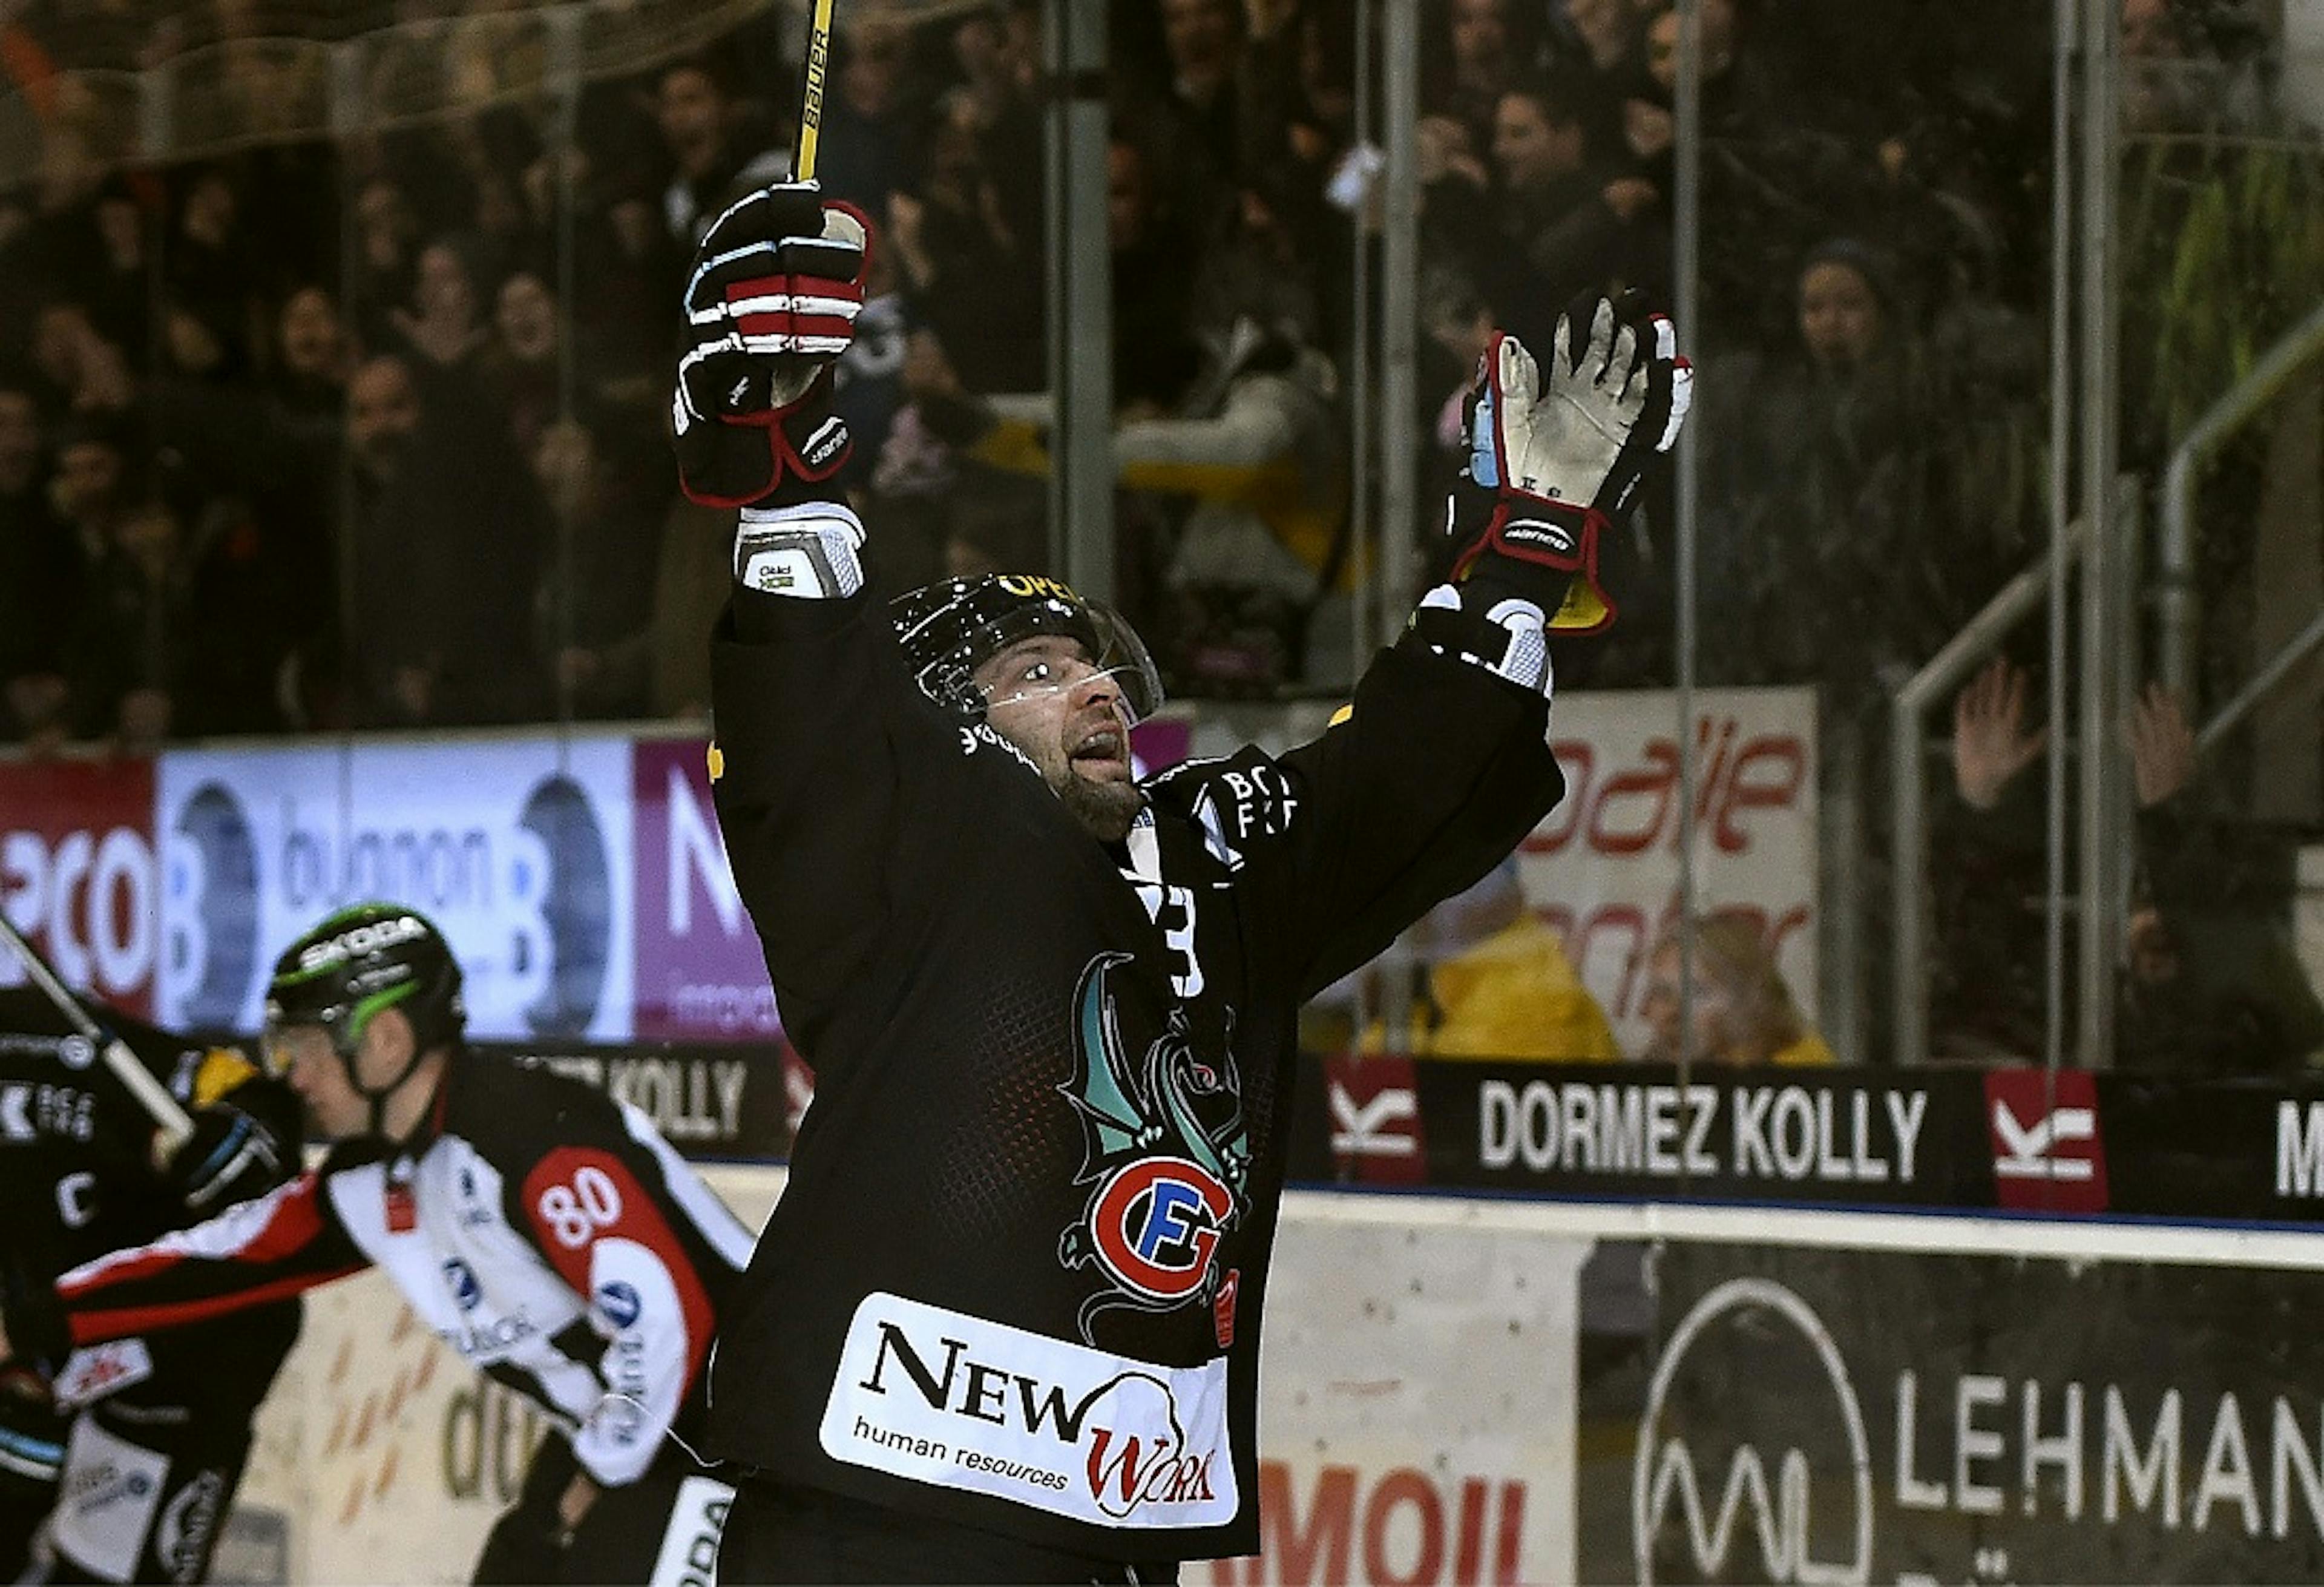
229 1158
771 306
1555 454
1553 457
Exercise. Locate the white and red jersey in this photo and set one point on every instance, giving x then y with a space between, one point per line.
544 1232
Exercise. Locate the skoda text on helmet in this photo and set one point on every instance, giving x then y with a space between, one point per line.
950 628
344 971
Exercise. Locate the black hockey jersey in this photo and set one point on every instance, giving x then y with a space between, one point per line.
77 1174
1016 1279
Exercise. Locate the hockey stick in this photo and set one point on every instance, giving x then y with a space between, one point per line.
152 1096
818 72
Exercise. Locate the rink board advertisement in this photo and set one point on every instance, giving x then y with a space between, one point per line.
583 881
1498 1391
519 851
701 974
1603 867
77 873
1852 1415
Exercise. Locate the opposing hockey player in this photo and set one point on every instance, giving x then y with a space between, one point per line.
545 1232
1004 1325
144 1438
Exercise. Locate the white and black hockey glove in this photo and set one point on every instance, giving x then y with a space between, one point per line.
1554 455
771 306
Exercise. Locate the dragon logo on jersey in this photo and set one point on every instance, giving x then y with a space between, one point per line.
1166 1157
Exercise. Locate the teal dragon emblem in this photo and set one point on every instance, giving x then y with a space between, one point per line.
1166 1156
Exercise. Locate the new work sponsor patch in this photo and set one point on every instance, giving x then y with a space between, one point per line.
939 1396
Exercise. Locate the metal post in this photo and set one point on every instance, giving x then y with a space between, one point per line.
1399 313
1908 1037
565 86
2100 734
1686 204
1363 428
2066 27
1080 300
349 63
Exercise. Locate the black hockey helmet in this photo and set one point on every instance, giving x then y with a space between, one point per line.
950 628
352 965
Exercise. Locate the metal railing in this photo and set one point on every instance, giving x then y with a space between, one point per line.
2105 690
2175 559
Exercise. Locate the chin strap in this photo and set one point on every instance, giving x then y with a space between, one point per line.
377 1098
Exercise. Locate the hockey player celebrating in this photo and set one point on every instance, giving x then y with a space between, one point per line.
83 1170
544 1232
1005 1324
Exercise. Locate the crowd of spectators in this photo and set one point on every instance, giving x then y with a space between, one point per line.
368 431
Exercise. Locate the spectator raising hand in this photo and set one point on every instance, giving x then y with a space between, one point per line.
2162 747
1991 743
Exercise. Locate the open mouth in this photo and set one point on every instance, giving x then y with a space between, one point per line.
1101 750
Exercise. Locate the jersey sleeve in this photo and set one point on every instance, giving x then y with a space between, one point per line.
606 1217
1430 778
262 1251
823 744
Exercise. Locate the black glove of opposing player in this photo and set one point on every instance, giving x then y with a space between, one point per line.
525 1548
770 307
229 1158
32 1440
1555 453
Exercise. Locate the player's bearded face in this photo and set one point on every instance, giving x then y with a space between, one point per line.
1048 698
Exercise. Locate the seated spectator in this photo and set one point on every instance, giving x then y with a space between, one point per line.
448 543
41 570
75 371
1564 219
863 133
129 654
1496 984
1600 40
1484 49
387 252
969 278
442 324
598 603
714 155
1742 1009
1824 477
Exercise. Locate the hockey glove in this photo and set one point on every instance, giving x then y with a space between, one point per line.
1552 457
31 1441
525 1548
1555 454
771 307
229 1158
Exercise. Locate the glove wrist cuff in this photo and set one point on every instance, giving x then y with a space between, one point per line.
1504 634
809 551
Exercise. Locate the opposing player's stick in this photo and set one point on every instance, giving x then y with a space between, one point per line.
152 1096
818 72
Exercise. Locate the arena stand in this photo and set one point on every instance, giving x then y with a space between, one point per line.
340 554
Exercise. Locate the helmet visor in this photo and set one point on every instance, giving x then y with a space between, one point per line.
1110 647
